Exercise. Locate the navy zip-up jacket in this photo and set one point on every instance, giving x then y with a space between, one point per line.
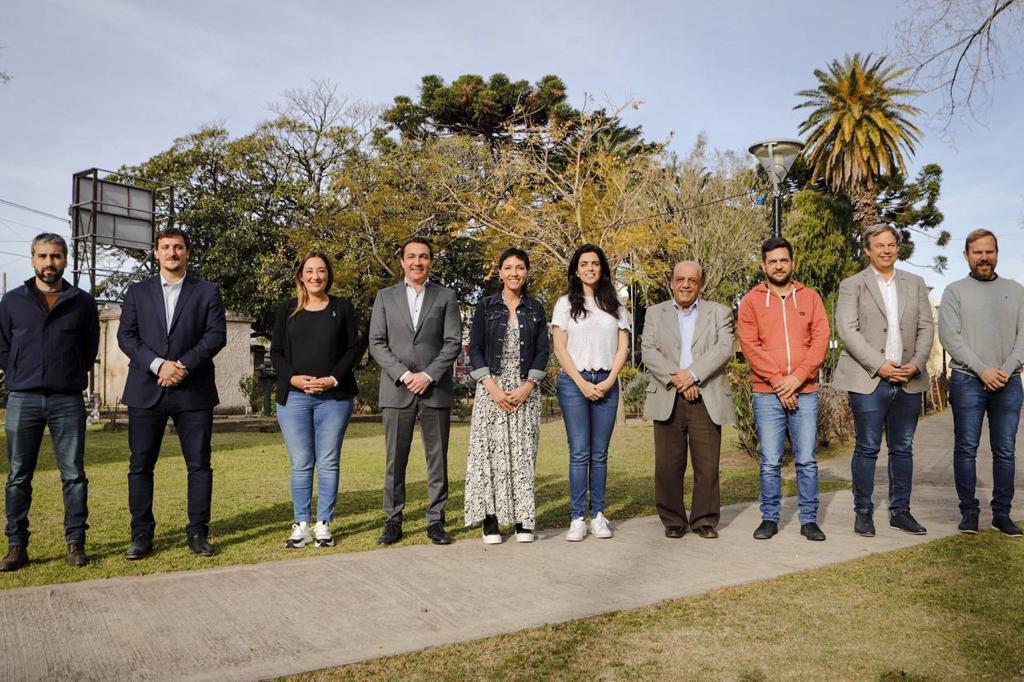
48 351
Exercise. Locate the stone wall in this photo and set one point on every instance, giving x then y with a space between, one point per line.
232 363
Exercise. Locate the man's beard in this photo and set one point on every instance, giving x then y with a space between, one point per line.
51 277
977 275
780 282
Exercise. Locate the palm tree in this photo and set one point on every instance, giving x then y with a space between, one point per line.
860 129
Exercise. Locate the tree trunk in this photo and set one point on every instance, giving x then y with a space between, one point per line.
865 201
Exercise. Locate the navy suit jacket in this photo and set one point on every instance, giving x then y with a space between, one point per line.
198 331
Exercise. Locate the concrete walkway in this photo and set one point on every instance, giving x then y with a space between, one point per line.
269 619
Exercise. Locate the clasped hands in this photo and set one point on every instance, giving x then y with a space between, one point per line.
417 382
311 385
171 373
596 391
509 401
788 390
994 379
897 374
682 380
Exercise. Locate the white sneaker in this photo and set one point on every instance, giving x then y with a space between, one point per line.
524 536
322 534
599 526
577 530
300 537
492 539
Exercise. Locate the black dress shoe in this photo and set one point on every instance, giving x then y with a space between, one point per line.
903 521
863 525
437 534
675 531
76 556
139 549
706 532
766 531
199 545
392 533
1005 526
969 523
812 532
16 557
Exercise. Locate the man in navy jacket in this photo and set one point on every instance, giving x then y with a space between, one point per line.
49 334
172 325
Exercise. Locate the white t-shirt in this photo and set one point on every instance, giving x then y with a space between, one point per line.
592 340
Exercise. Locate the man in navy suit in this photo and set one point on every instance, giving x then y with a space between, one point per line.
172 325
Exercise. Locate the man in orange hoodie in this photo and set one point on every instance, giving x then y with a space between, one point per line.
783 331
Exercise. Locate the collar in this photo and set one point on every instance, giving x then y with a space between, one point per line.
994 277
172 285
687 311
881 278
410 285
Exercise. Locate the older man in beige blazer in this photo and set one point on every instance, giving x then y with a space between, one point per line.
886 324
686 343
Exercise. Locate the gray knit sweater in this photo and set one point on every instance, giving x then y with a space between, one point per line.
981 324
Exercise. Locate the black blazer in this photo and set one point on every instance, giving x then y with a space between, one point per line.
345 327
198 332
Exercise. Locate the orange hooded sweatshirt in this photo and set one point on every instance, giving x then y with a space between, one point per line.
781 337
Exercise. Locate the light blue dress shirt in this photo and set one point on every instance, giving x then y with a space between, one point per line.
687 319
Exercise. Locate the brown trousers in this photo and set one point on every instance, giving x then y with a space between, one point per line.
690 425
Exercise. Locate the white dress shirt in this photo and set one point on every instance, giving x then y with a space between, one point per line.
415 299
171 291
893 340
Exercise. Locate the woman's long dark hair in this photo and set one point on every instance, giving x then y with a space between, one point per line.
604 290
514 252
301 295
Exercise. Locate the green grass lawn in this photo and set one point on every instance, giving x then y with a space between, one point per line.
950 609
252 509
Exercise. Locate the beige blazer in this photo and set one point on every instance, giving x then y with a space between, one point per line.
712 347
862 325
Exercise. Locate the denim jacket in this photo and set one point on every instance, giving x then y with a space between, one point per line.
487 336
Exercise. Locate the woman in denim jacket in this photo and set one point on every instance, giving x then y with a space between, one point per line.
508 349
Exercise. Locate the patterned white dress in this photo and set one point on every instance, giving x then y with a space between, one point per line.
503 449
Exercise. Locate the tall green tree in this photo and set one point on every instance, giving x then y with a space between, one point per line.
859 129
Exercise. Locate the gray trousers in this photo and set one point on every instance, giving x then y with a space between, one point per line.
398 428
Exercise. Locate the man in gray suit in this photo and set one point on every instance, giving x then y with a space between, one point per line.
415 336
687 342
886 324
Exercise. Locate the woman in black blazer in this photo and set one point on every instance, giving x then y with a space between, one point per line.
314 350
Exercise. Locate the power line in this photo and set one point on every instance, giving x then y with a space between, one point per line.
11 253
34 210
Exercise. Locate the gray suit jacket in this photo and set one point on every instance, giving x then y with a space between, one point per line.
432 347
862 325
712 347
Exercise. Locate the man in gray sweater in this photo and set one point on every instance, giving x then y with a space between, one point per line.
981 325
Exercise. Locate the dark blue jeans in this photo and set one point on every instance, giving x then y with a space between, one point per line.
971 402
588 428
27 415
891 411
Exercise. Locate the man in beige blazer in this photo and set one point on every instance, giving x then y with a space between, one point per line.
886 324
686 343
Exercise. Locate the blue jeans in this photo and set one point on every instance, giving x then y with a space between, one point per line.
772 421
588 428
970 403
27 415
313 429
892 411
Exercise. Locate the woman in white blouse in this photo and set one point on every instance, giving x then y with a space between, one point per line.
590 333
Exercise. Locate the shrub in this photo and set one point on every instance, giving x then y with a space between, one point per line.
743 402
835 420
368 381
252 388
634 389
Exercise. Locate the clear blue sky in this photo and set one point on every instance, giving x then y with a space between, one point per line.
109 82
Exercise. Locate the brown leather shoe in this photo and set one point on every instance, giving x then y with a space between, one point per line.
706 532
675 531
16 557
76 555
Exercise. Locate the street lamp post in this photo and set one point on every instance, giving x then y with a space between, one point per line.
777 157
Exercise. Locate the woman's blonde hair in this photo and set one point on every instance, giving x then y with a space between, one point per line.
301 295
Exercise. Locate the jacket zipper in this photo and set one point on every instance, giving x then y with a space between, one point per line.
785 330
